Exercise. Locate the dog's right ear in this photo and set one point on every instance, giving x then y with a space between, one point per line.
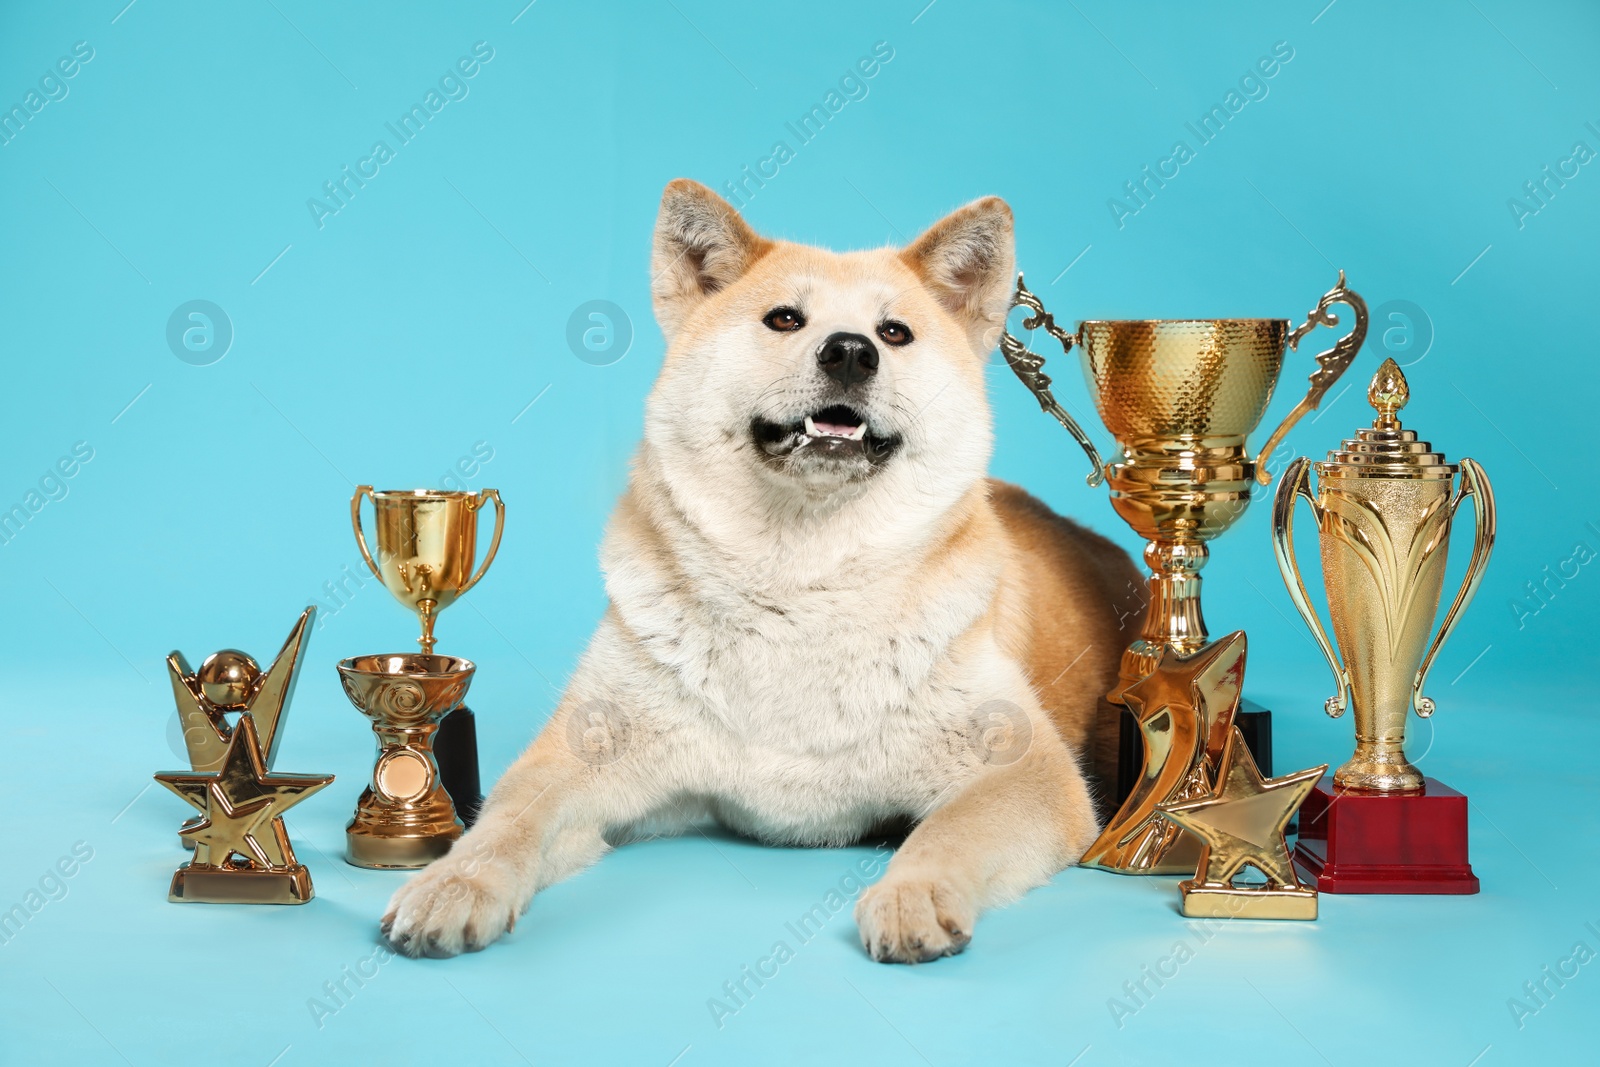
701 246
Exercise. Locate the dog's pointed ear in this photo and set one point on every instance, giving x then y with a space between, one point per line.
701 246
967 260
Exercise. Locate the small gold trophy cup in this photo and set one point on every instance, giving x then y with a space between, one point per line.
405 818
1181 396
427 769
427 540
1384 506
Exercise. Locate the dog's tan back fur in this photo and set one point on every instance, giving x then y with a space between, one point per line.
1064 605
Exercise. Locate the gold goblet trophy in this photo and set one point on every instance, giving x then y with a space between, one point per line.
427 540
1181 396
426 543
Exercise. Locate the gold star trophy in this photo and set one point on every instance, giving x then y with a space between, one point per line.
1185 709
242 853
1242 822
229 682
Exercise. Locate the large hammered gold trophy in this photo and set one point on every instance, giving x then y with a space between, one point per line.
426 545
1181 397
1384 506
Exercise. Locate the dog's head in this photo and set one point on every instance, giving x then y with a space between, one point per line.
818 373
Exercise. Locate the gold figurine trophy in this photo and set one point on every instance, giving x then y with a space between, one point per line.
1181 397
242 853
1384 506
231 682
427 542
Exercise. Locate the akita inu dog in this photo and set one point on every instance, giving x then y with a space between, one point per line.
824 617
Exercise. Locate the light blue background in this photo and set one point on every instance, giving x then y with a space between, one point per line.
429 313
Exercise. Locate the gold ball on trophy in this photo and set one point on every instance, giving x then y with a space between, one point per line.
228 677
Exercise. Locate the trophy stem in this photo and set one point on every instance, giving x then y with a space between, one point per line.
1379 764
425 611
1173 616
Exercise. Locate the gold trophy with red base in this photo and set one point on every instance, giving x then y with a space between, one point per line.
1384 506
426 775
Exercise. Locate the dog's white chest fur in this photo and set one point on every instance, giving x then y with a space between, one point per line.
811 716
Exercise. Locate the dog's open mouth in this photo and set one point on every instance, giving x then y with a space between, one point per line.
836 432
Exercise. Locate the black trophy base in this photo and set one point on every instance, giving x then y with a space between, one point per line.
455 747
1253 720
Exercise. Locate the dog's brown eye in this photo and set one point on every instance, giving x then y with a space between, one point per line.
784 320
895 333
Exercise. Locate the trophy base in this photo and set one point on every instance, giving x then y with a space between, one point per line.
1379 843
1253 720
1203 901
455 749
396 853
228 885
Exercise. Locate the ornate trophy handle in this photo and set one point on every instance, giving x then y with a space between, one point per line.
1474 483
1030 368
1296 483
499 528
355 521
1330 364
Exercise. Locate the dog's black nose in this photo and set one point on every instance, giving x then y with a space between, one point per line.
848 358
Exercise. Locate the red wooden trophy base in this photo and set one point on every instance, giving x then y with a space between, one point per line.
1371 843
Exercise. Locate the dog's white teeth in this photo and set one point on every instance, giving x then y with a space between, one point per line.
833 429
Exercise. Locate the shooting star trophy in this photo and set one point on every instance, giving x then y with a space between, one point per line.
230 682
242 853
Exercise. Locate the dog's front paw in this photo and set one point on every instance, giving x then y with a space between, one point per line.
914 919
449 908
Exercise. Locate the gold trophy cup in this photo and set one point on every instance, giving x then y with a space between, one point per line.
405 818
1181 396
427 540
1384 504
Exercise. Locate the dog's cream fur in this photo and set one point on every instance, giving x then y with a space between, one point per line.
804 649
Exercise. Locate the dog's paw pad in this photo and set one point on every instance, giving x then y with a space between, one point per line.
913 920
442 912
